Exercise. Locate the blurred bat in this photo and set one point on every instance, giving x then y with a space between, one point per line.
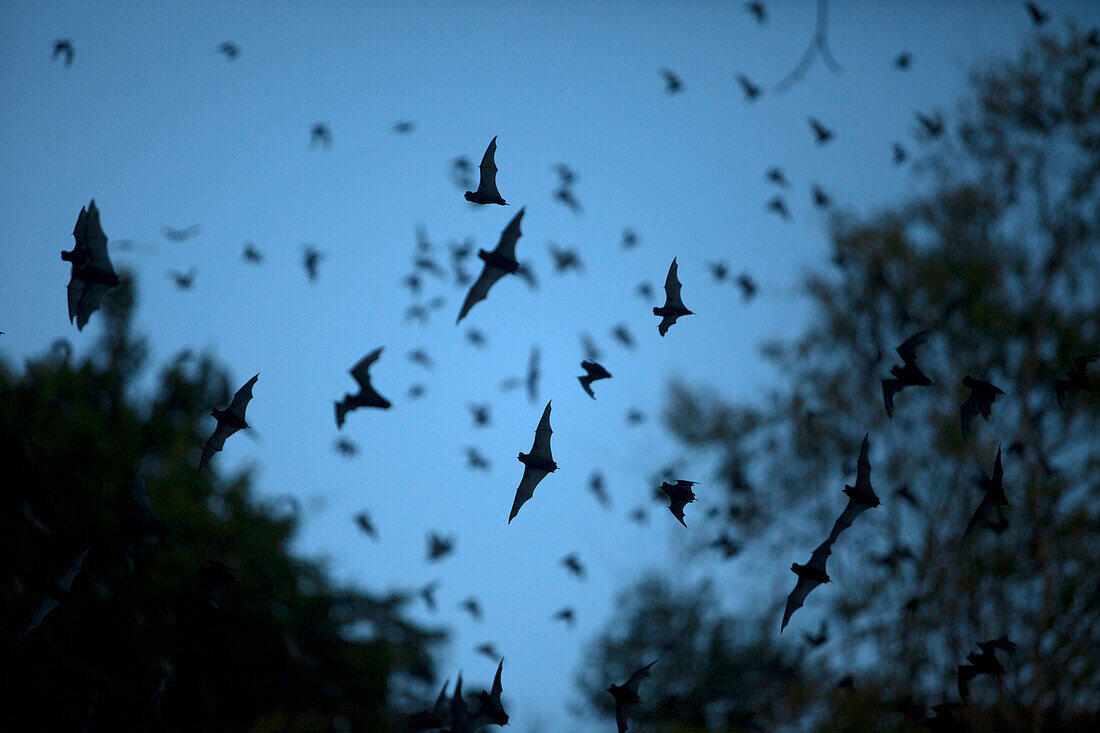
899 154
471 606
476 338
679 495
589 347
565 259
183 280
251 254
416 391
979 402
536 464
994 499
181 235
566 616
1078 378
596 486
63 47
311 258
363 520
747 285
480 414
491 710
92 275
638 515
573 564
488 650
626 695
366 396
1038 16
566 175
760 14
593 373
816 640
230 50
821 199
727 546
498 263
630 239
674 305
777 205
644 290
775 175
462 172
420 356
404 127
718 270
319 134
439 546
634 416
903 61
533 374
565 196
673 85
822 134
230 420
475 461
931 125
427 594
752 91
908 374
487 192
55 594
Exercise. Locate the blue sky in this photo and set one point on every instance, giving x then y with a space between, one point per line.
162 130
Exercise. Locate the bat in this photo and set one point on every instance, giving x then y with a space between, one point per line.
626 695
673 85
565 196
822 134
363 520
1038 16
462 172
213 576
1078 378
718 270
644 290
638 515
893 558
476 338
536 464
311 258
491 711
861 497
55 593
366 396
816 640
439 546
412 282
230 420
979 402
747 285
906 494
319 134
596 486
471 606
634 416
230 50
487 650
533 374
679 495
775 175
983 662
821 199
565 259
417 312
183 280
900 155
903 61
573 564
427 594
433 718
758 12
994 499
498 263
751 91
674 305
460 711
416 391
63 47
487 192
420 356
777 205
475 461
810 576
589 347
630 239
931 125
593 373
93 275
251 254
181 235
480 414
427 264
566 616
727 546
403 127
908 374
566 175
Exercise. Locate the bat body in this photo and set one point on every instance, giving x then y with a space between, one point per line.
900 155
821 199
903 61
979 402
994 499
718 270
573 564
439 546
630 239
673 85
775 175
230 420
311 258
366 396
626 695
674 306
777 205
1038 15
183 280
319 134
63 47
810 576
565 615
480 415
251 254
487 192
363 520
822 134
1077 378
92 275
931 125
498 263
592 373
908 374
751 91
230 50
757 11
536 464
679 495
983 662
747 285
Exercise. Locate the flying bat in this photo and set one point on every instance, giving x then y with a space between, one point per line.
427 264
821 199
626 695
908 374
674 305
759 12
565 259
727 546
777 205
230 420
487 192
634 416
638 515
673 85
416 391
596 486
900 155
1078 378
903 61
491 710
93 275
439 546
471 606
230 50
1038 16
434 717
810 576
747 285
718 270
822 134
183 280
63 47
533 374
251 254
861 497
55 593
775 175
536 464
752 91
417 312
475 461
427 594
181 235
404 127
994 499
979 402
931 125
498 263
816 640
319 134
566 175
476 338
679 495
593 372
565 196
573 564
362 519
311 258
644 290
462 172
630 239
366 396
566 616
345 447
480 414
421 357
589 347
488 649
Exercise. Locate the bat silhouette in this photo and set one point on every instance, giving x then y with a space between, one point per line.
498 263
822 134
362 519
810 576
230 50
181 235
908 374
404 127
536 464
566 616
1078 378
979 402
1038 16
983 662
626 695
760 13
476 338
533 374
899 154
894 557
251 254
673 85
460 711
679 495
903 61
644 290
434 717
775 175
213 576
480 414
439 546
92 275
366 396
596 486
565 196
747 285
63 47
488 650
565 259
861 497
462 172
142 524
931 125
638 515
427 594
417 312
573 564
412 282
718 270
821 199
416 391
906 494
566 175
634 416
491 710
420 356
319 134
471 606
311 258
475 461
589 347
777 205
487 192
994 498
630 239
427 264
183 280
593 372
230 420
54 594
674 306
751 91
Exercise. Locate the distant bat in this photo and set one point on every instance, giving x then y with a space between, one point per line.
565 259
994 498
213 576
747 285
673 85
752 91
417 312
565 196
816 640
777 205
498 263
480 414
476 338
908 374
593 372
533 374
638 515
573 564
251 254
630 239
906 494
230 50
319 134
427 594
362 519
931 125
472 607
634 416
366 396
821 199
487 192
644 290
439 546
183 280
416 391
566 175
596 486
903 61
412 282
427 264
1038 16
230 420
679 495
727 546
63 47
491 710
475 461
93 275
759 12
718 270
420 357
900 155
626 695
822 134
345 447
1078 378
181 235
55 593
674 306
311 258
775 175
404 127
810 576
566 615
462 172
589 347
536 464
979 402
488 650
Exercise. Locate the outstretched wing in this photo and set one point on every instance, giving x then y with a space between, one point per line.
242 398
480 289
487 186
636 678
890 387
511 234
215 443
84 299
672 286
361 371
804 585
908 350
586 384
541 446
526 489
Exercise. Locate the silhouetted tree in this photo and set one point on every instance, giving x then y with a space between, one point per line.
137 643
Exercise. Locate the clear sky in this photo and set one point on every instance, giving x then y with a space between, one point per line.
161 129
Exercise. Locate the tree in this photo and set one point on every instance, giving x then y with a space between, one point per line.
999 254
136 644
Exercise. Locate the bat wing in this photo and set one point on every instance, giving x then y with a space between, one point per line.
908 350
84 299
844 521
672 287
215 443
89 256
541 446
487 186
511 234
526 489
242 398
621 711
636 678
979 515
480 289
533 373
361 374
665 324
586 385
797 597
890 387
68 575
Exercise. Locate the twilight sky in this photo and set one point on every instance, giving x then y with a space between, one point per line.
163 131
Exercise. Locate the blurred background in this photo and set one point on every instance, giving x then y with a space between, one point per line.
949 183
